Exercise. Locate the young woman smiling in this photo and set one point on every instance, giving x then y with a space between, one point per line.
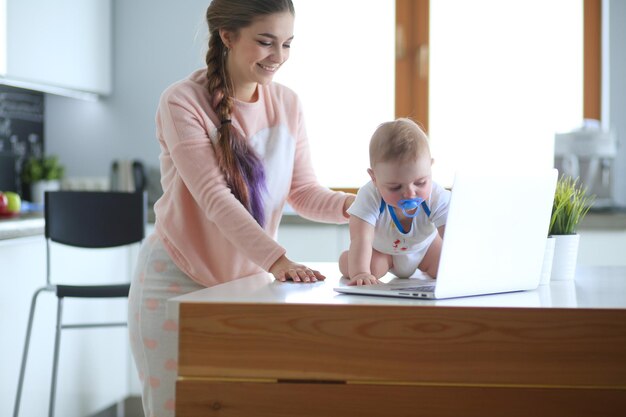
234 150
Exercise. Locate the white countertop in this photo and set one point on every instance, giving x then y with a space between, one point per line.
30 224
594 287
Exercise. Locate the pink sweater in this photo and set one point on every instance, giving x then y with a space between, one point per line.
207 232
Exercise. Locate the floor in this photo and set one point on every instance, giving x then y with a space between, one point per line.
130 407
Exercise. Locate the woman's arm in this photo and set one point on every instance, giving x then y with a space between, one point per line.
184 128
347 203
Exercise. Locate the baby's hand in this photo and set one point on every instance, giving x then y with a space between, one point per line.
364 279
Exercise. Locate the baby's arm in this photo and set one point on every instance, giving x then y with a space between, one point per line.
360 253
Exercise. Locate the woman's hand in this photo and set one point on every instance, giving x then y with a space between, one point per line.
347 203
284 269
364 279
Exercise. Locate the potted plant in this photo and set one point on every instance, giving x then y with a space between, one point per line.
571 204
43 174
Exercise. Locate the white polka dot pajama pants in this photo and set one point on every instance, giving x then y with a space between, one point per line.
153 333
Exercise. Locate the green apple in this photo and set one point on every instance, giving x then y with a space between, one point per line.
15 202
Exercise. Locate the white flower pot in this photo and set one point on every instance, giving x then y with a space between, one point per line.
548 257
565 257
38 188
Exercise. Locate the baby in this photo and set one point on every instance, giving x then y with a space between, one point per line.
398 219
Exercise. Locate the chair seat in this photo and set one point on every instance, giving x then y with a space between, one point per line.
93 291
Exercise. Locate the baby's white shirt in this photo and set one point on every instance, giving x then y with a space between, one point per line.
387 238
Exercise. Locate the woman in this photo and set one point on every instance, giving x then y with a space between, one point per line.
233 150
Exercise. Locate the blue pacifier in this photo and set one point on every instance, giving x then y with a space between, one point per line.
410 204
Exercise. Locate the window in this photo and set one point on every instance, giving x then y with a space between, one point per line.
504 77
496 79
341 66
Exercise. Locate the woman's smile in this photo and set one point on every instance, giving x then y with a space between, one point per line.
269 68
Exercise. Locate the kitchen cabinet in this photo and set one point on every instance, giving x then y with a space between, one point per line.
559 350
61 46
602 239
602 247
314 242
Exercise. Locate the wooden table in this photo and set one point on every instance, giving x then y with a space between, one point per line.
255 347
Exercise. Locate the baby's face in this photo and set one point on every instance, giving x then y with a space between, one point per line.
403 180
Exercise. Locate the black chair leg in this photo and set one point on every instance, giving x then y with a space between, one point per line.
29 328
55 360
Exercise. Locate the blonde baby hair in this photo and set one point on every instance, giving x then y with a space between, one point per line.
399 140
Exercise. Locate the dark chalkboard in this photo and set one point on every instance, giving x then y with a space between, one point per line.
21 129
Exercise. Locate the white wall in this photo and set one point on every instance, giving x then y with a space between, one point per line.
154 44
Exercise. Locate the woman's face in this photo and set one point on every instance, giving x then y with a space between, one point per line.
258 51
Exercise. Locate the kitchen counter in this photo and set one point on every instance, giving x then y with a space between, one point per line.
614 219
560 348
609 219
32 224
27 224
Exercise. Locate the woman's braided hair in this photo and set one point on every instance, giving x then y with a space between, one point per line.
240 164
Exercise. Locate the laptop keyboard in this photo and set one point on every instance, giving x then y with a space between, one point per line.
422 288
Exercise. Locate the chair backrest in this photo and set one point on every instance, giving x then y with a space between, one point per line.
95 219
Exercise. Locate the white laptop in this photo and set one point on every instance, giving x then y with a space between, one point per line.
494 240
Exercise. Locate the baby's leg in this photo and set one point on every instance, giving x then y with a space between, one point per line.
379 266
381 263
430 263
343 264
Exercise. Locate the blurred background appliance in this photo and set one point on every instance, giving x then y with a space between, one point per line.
127 175
588 153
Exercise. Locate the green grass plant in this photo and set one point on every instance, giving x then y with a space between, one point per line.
571 204
42 169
